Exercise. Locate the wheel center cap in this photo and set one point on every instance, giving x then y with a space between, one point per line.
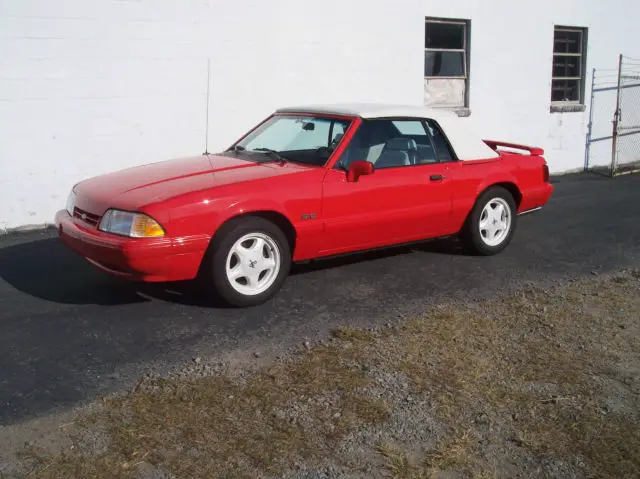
252 263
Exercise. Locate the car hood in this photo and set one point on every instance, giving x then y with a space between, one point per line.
135 187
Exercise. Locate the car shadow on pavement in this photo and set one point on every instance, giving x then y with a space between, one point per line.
445 246
46 269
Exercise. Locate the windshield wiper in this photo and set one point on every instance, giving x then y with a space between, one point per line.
273 154
237 148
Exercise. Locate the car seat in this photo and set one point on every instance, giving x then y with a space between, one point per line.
398 152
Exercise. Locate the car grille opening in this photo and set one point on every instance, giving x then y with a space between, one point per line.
85 216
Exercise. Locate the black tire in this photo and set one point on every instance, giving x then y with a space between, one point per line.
471 235
218 282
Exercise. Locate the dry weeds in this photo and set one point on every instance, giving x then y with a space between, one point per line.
543 383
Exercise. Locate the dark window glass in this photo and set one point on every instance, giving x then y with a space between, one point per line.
568 60
444 152
444 35
410 127
389 144
565 90
443 64
564 66
567 42
425 152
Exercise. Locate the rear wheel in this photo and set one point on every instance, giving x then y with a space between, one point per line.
249 261
492 222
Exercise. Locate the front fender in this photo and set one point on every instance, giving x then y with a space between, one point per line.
247 206
307 232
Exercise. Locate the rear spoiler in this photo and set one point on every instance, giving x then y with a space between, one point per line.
533 150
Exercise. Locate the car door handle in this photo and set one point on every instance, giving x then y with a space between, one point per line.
436 177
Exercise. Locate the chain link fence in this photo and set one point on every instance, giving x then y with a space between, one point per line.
599 149
613 138
627 143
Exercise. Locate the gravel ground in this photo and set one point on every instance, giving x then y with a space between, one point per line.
544 382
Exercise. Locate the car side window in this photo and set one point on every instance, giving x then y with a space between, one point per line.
444 150
390 144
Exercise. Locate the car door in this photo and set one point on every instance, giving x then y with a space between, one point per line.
408 197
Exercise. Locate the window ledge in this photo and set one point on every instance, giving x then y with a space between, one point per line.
458 110
462 112
567 108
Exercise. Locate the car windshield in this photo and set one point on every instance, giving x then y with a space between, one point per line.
308 140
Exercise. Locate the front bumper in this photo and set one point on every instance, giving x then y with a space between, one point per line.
143 259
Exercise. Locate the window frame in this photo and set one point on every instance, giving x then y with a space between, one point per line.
465 50
582 54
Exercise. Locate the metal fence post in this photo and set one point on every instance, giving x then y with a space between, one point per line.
616 117
587 148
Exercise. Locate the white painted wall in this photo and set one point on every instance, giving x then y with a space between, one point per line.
90 87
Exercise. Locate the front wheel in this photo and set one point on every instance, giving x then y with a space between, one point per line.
250 260
492 222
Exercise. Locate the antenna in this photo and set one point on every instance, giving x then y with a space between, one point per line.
206 129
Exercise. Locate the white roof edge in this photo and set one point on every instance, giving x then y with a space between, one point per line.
466 144
371 110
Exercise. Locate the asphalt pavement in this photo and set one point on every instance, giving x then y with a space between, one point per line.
69 332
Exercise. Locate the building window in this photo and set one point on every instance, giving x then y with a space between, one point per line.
446 62
569 65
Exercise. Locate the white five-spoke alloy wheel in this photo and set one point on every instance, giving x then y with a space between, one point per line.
247 261
491 223
495 221
253 263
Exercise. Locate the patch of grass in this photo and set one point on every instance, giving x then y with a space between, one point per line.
72 465
537 368
541 377
452 454
397 464
348 333
214 427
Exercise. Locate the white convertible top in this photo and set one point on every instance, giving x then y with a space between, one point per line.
466 144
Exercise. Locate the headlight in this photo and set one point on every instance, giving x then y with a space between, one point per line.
71 202
125 223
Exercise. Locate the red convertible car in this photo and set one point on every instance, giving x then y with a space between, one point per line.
305 183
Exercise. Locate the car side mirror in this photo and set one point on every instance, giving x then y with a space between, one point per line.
359 168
